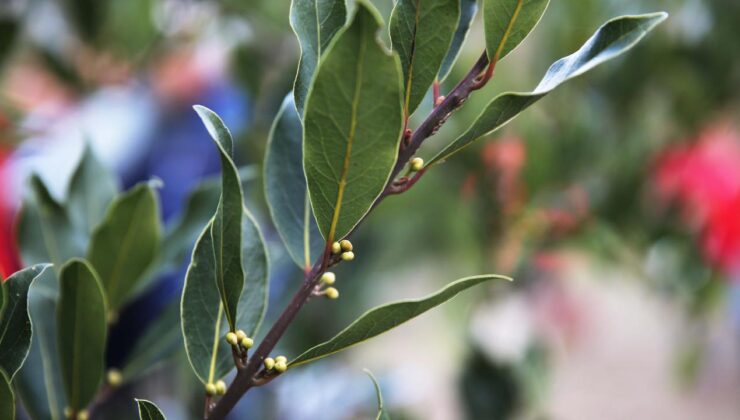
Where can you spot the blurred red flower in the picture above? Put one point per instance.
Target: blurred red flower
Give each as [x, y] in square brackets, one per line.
[9, 261]
[703, 177]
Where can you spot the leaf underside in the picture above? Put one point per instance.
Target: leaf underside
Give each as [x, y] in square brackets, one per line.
[286, 190]
[352, 125]
[610, 41]
[383, 318]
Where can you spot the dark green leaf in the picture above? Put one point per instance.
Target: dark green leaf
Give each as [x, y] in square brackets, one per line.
[226, 229]
[124, 245]
[203, 326]
[611, 40]
[181, 234]
[160, 342]
[383, 318]
[382, 412]
[421, 33]
[82, 329]
[468, 9]
[285, 188]
[149, 411]
[315, 23]
[7, 398]
[508, 22]
[15, 328]
[352, 125]
[45, 233]
[90, 190]
[39, 382]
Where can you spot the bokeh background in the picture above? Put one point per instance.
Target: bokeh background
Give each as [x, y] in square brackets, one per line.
[615, 203]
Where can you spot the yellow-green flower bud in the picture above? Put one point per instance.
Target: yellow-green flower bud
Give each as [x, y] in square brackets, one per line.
[67, 412]
[246, 342]
[232, 339]
[269, 363]
[331, 293]
[210, 389]
[281, 366]
[83, 415]
[328, 278]
[348, 256]
[240, 335]
[114, 377]
[346, 245]
[220, 387]
[336, 248]
[282, 359]
[416, 164]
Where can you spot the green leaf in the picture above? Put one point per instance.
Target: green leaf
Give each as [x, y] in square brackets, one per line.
[382, 412]
[508, 22]
[611, 40]
[180, 235]
[352, 125]
[124, 245]
[9, 30]
[160, 342]
[468, 9]
[149, 411]
[15, 327]
[421, 33]
[203, 325]
[82, 328]
[45, 233]
[226, 229]
[90, 190]
[386, 317]
[7, 398]
[39, 382]
[285, 188]
[315, 22]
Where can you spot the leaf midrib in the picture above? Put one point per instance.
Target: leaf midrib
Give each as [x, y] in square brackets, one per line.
[350, 135]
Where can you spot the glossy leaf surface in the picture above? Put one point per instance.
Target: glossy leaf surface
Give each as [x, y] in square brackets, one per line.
[315, 22]
[15, 327]
[508, 22]
[611, 40]
[421, 33]
[124, 245]
[386, 317]
[352, 125]
[82, 330]
[226, 228]
[285, 188]
[203, 319]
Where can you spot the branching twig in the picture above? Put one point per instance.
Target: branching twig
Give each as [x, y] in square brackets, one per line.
[245, 376]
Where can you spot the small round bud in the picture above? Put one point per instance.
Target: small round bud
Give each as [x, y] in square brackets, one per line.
[348, 256]
[416, 164]
[439, 100]
[220, 387]
[246, 342]
[346, 245]
[83, 415]
[328, 278]
[210, 389]
[232, 339]
[67, 412]
[114, 377]
[240, 335]
[331, 293]
[281, 366]
[280, 359]
[336, 248]
[269, 363]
